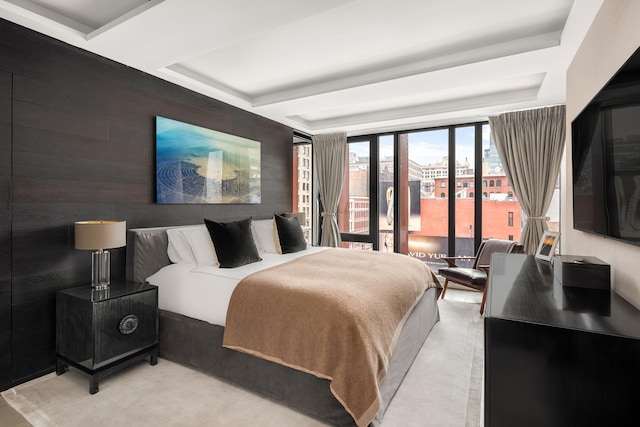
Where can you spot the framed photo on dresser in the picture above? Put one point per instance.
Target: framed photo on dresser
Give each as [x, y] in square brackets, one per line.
[547, 247]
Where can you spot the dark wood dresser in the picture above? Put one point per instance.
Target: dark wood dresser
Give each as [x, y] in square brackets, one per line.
[99, 331]
[554, 355]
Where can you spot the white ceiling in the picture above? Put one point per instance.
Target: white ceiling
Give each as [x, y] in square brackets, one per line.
[358, 66]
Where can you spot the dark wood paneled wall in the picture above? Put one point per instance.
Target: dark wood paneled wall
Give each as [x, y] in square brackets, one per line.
[82, 143]
[5, 230]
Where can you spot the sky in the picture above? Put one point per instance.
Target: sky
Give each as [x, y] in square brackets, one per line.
[429, 147]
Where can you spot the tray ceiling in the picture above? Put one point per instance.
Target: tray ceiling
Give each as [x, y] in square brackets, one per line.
[351, 65]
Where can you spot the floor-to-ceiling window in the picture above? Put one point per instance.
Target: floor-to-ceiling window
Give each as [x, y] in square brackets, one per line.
[464, 188]
[357, 206]
[428, 193]
[386, 180]
[302, 198]
[501, 210]
[426, 172]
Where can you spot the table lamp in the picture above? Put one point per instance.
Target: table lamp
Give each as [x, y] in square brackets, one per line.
[99, 236]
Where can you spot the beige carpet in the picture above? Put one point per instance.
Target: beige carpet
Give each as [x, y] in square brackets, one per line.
[443, 388]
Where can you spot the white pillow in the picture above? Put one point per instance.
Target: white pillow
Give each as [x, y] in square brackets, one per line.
[264, 230]
[201, 245]
[178, 248]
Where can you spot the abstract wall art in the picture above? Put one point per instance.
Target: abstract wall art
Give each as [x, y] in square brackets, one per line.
[200, 165]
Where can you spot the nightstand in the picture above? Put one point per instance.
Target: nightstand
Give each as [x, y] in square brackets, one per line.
[101, 331]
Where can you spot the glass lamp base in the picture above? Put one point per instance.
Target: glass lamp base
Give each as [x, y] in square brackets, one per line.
[100, 269]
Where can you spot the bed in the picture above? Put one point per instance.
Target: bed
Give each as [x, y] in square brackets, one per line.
[192, 334]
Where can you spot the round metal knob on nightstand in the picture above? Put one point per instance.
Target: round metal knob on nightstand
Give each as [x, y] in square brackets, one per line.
[128, 324]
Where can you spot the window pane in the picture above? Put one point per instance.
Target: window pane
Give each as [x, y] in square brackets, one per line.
[356, 190]
[465, 203]
[501, 215]
[385, 192]
[302, 195]
[428, 200]
[554, 210]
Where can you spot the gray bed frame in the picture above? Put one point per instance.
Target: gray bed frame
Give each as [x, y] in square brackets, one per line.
[198, 344]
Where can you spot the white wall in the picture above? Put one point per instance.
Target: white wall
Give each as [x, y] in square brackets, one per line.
[612, 38]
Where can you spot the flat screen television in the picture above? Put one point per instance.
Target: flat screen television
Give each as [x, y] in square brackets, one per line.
[605, 152]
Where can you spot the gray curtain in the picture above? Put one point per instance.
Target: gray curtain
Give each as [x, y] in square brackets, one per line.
[329, 154]
[530, 144]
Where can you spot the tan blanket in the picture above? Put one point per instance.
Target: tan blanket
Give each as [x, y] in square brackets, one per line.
[335, 314]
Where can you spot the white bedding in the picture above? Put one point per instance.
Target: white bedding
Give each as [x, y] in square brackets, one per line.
[203, 292]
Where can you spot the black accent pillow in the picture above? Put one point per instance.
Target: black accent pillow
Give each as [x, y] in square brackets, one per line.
[290, 234]
[233, 242]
